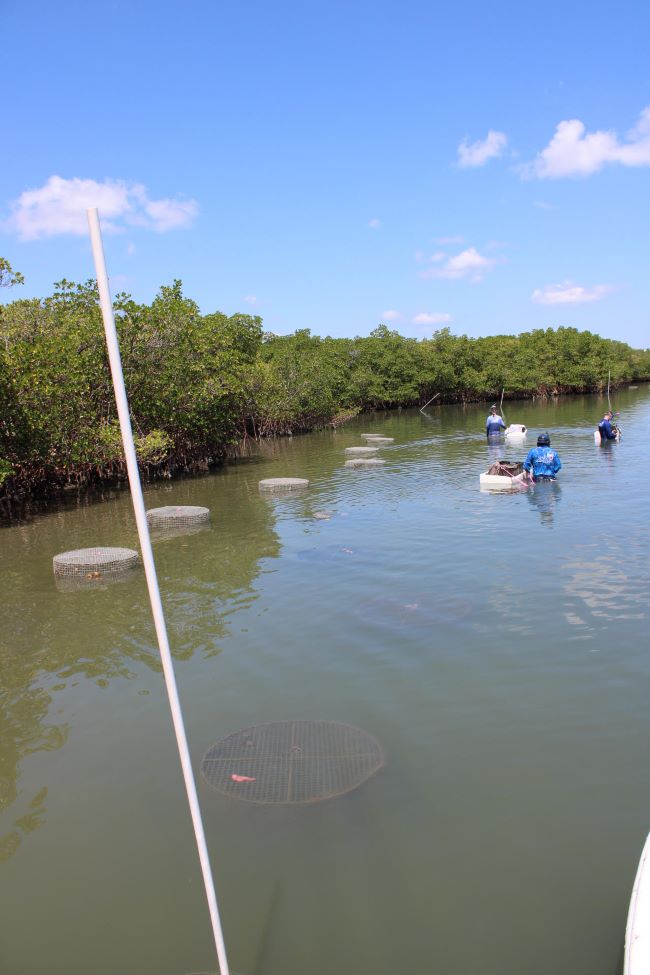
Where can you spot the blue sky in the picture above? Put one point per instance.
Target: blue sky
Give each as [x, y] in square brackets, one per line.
[334, 165]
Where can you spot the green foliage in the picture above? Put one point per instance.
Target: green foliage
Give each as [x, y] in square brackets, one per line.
[9, 277]
[6, 470]
[199, 384]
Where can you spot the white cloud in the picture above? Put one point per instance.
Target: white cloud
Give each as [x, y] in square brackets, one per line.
[390, 315]
[375, 223]
[169, 214]
[454, 239]
[251, 299]
[59, 207]
[438, 256]
[478, 153]
[569, 293]
[575, 152]
[468, 264]
[431, 318]
[543, 205]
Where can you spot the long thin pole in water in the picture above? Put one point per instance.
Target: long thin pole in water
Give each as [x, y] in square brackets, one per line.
[501, 404]
[423, 408]
[152, 579]
[609, 379]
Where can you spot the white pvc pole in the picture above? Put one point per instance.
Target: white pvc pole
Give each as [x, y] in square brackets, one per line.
[423, 408]
[152, 579]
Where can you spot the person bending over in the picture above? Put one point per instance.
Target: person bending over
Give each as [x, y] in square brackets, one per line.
[494, 423]
[542, 463]
[606, 429]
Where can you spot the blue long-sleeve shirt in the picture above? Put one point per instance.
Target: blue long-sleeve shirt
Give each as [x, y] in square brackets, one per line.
[544, 462]
[605, 430]
[494, 424]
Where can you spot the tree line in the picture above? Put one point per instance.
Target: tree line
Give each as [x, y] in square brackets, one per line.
[200, 385]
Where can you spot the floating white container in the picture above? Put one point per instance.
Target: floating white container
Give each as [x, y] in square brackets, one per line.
[500, 482]
[516, 431]
[597, 437]
[637, 932]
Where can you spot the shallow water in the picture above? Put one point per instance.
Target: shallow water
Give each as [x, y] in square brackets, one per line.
[495, 644]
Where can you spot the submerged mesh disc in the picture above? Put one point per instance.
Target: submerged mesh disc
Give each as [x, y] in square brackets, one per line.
[100, 559]
[292, 761]
[181, 514]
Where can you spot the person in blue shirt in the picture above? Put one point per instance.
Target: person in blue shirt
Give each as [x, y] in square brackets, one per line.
[494, 423]
[542, 463]
[605, 428]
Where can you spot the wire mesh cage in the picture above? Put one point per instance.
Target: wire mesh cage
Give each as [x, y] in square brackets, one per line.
[364, 462]
[94, 562]
[171, 516]
[361, 451]
[414, 610]
[291, 762]
[281, 484]
[163, 532]
[376, 438]
[96, 580]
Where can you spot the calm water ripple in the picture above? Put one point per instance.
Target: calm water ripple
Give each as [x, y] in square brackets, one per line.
[495, 643]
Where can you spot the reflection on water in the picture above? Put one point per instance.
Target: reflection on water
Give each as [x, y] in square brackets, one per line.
[544, 496]
[57, 631]
[606, 589]
[493, 641]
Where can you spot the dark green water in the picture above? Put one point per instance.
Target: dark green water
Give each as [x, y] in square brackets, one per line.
[496, 645]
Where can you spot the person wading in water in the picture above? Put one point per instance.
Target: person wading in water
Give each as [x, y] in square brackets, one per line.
[542, 463]
[494, 423]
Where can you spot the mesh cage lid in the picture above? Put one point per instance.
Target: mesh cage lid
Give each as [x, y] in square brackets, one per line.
[283, 483]
[182, 514]
[99, 559]
[287, 762]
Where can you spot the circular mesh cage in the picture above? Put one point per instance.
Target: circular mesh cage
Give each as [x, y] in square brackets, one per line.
[364, 462]
[287, 762]
[373, 438]
[86, 561]
[279, 484]
[361, 451]
[95, 580]
[178, 515]
[414, 610]
[163, 532]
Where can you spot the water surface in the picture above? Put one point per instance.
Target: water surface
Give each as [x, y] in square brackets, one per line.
[495, 644]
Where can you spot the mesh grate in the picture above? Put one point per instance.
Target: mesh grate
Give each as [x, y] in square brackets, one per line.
[84, 561]
[414, 610]
[376, 438]
[95, 580]
[364, 462]
[361, 451]
[171, 515]
[280, 484]
[163, 532]
[288, 762]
